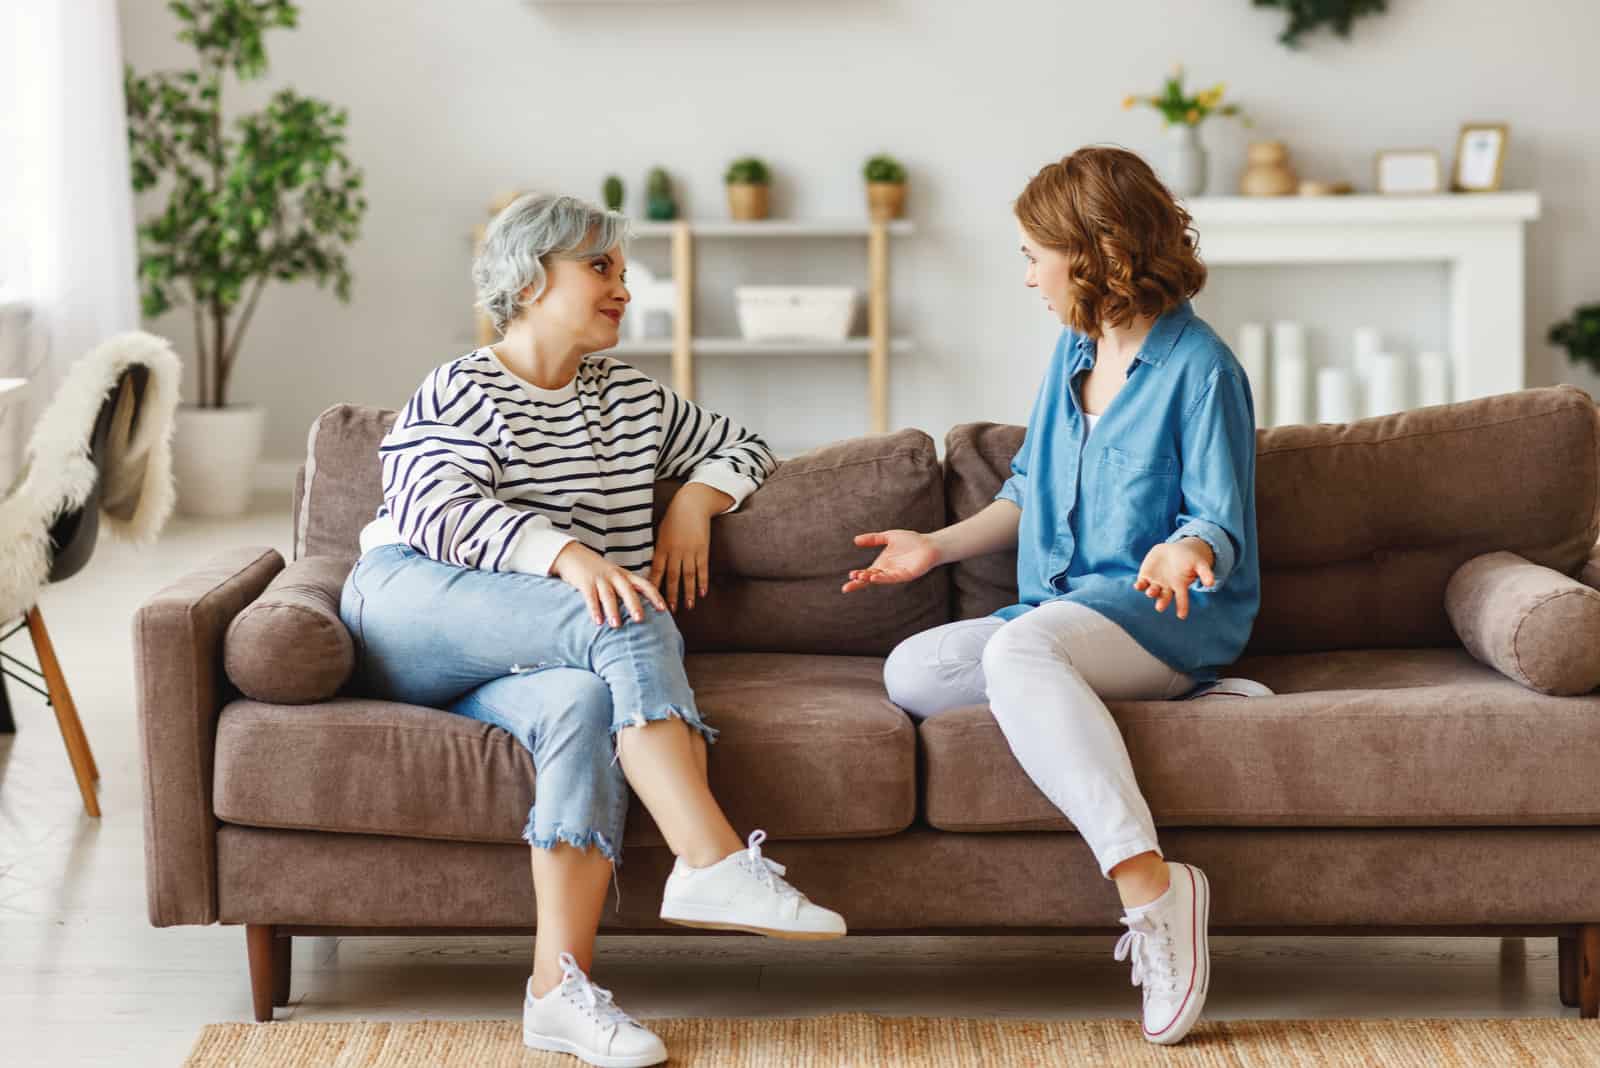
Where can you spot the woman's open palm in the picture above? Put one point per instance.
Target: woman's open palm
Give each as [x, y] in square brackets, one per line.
[906, 555]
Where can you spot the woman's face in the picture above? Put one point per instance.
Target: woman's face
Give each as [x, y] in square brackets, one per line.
[1047, 272]
[584, 299]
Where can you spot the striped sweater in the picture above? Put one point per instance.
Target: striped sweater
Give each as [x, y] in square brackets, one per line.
[485, 469]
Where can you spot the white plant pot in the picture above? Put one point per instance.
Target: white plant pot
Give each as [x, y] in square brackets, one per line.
[1186, 161]
[214, 455]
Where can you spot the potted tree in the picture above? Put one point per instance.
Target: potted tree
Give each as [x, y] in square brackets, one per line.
[886, 187]
[660, 204]
[270, 196]
[747, 180]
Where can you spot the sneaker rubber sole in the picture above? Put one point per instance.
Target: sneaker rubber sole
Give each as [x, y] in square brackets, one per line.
[1185, 1020]
[534, 1040]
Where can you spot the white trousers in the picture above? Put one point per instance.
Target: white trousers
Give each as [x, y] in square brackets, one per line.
[1044, 675]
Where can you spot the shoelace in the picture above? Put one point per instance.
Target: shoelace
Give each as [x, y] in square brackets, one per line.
[769, 872]
[596, 1000]
[1142, 940]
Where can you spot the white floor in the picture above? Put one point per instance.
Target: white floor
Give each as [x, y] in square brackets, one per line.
[85, 980]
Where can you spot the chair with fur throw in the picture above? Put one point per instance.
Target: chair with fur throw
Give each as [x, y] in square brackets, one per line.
[100, 454]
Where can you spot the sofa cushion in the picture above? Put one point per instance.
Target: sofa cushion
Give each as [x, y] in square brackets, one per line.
[777, 563]
[1362, 524]
[289, 645]
[810, 748]
[1363, 738]
[1530, 623]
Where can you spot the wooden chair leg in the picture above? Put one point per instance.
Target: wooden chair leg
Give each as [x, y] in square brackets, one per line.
[1567, 970]
[83, 766]
[1589, 971]
[259, 941]
[282, 961]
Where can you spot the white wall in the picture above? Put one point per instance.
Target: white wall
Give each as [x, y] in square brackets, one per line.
[453, 103]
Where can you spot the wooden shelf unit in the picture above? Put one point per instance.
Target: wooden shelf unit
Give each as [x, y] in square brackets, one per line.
[684, 346]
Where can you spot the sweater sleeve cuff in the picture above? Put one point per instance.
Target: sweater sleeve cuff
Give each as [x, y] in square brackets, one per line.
[1221, 549]
[536, 549]
[724, 478]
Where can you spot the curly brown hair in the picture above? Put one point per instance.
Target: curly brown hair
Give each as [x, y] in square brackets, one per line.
[1132, 250]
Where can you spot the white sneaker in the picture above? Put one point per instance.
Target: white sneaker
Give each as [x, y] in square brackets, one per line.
[1231, 687]
[745, 891]
[1169, 942]
[580, 1018]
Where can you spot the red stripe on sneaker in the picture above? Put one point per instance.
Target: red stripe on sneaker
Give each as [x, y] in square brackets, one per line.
[1194, 952]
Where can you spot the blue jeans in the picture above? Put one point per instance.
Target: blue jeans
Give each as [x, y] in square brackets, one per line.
[522, 652]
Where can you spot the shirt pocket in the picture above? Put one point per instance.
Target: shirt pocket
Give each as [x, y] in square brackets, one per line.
[1138, 497]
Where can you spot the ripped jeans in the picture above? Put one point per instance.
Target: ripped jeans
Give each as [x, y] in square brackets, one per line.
[521, 652]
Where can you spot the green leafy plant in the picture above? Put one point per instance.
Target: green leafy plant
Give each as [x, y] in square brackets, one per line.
[1306, 16]
[274, 198]
[613, 191]
[660, 205]
[884, 169]
[1580, 336]
[747, 170]
[1178, 107]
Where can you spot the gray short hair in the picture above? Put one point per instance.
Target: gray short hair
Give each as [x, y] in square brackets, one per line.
[523, 238]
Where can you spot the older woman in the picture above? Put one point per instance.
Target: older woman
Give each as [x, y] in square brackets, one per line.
[1134, 489]
[512, 576]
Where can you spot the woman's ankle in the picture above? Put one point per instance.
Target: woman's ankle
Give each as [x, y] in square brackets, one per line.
[1141, 879]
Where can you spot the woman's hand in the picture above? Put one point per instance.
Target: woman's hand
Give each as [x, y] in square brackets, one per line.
[906, 555]
[683, 543]
[1170, 567]
[603, 584]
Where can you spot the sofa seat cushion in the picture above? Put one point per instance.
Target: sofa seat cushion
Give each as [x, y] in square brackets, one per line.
[810, 748]
[1358, 738]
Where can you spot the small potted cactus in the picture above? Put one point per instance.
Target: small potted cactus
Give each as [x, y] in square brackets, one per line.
[886, 187]
[660, 204]
[747, 180]
[613, 191]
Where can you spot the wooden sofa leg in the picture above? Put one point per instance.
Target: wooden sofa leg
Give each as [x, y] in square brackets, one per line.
[263, 986]
[282, 959]
[1567, 970]
[1589, 971]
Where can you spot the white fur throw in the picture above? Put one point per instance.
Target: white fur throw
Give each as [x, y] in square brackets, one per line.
[57, 475]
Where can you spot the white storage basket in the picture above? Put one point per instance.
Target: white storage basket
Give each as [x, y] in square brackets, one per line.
[795, 313]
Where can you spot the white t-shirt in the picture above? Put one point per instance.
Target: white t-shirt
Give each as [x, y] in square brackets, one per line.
[1090, 418]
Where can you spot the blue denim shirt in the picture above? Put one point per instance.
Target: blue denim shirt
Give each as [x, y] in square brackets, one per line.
[1172, 456]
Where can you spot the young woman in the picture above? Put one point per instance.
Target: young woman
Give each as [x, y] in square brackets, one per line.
[1133, 491]
[511, 576]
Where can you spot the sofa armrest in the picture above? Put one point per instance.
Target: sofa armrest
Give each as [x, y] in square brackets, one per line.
[180, 687]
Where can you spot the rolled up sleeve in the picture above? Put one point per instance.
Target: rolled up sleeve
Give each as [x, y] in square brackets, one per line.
[1218, 452]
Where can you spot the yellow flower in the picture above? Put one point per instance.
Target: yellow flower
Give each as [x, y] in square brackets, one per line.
[1128, 101]
[1209, 98]
[1193, 117]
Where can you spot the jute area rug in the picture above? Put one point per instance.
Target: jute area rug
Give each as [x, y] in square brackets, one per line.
[866, 1041]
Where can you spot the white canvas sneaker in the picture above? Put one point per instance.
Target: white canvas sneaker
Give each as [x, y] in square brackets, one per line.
[745, 892]
[580, 1018]
[1231, 687]
[1169, 943]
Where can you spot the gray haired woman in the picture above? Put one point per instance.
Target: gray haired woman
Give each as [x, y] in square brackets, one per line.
[512, 575]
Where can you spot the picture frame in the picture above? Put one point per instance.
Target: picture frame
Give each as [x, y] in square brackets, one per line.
[1408, 171]
[1480, 156]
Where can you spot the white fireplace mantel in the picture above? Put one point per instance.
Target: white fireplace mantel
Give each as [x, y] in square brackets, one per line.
[1479, 236]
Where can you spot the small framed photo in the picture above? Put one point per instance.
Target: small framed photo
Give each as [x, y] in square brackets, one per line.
[1480, 152]
[1409, 170]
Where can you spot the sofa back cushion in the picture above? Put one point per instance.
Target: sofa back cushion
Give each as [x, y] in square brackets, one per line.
[777, 562]
[1362, 524]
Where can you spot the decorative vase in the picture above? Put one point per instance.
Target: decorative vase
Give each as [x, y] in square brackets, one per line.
[1186, 161]
[214, 454]
[1268, 172]
[885, 200]
[747, 201]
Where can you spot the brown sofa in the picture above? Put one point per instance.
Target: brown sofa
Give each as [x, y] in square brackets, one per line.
[1396, 784]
